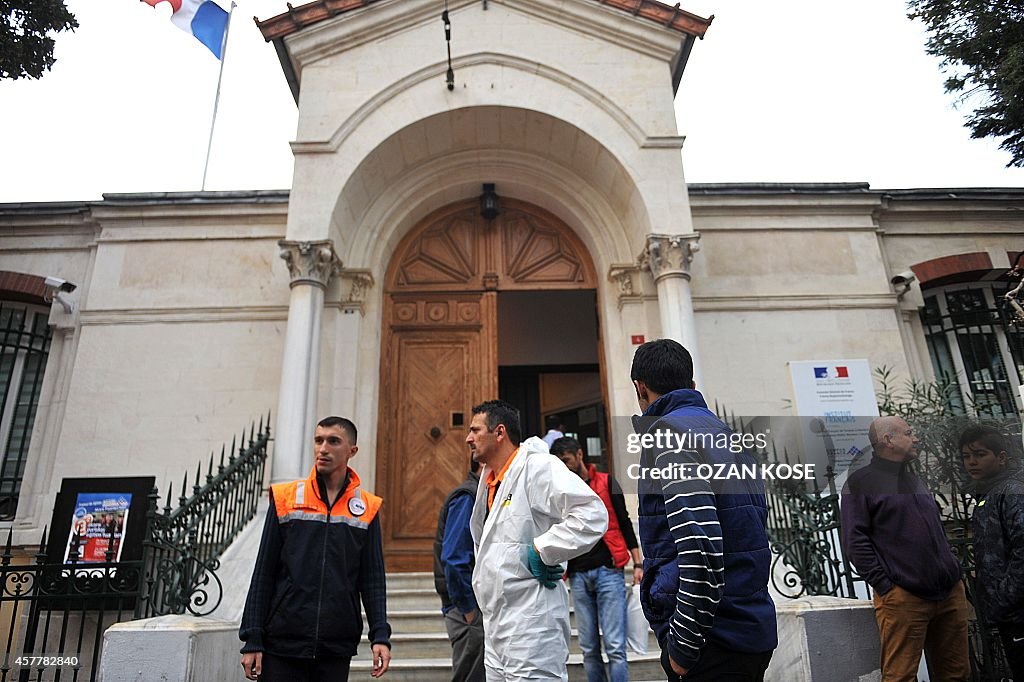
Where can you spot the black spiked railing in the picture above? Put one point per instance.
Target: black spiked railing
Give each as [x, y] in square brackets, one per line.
[803, 529]
[181, 552]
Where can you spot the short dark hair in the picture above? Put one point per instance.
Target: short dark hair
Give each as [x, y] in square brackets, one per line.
[990, 437]
[565, 444]
[346, 425]
[501, 412]
[553, 421]
[664, 365]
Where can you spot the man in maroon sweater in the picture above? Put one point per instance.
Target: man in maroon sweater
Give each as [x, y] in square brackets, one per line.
[893, 536]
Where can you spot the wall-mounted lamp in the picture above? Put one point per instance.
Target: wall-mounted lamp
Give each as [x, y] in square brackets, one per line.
[489, 207]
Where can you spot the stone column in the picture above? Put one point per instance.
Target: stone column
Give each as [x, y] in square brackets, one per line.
[311, 264]
[668, 257]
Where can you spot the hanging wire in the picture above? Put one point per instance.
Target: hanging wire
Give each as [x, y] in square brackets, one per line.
[448, 39]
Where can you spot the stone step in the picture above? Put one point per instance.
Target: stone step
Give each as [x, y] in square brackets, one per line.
[421, 647]
[440, 669]
[413, 599]
[434, 644]
[410, 581]
[411, 621]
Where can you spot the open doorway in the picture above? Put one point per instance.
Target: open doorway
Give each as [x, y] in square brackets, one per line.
[549, 365]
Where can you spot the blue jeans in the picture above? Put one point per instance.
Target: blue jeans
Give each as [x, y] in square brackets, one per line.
[600, 597]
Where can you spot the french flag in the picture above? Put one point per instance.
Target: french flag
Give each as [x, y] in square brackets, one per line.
[204, 19]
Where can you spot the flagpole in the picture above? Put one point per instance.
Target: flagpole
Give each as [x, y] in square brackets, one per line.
[216, 98]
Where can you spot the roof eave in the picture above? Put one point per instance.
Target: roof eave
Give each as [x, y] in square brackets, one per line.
[290, 74]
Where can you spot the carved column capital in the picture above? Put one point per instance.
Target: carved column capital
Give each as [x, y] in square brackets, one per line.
[625, 276]
[310, 263]
[622, 274]
[669, 255]
[359, 282]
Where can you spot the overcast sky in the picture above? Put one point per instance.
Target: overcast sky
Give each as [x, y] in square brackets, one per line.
[783, 91]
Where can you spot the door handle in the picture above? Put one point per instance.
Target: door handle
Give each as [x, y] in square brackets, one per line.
[435, 432]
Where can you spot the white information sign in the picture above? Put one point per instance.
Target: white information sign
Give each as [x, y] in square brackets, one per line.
[836, 402]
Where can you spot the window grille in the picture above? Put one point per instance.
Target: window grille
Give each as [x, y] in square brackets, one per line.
[972, 340]
[24, 346]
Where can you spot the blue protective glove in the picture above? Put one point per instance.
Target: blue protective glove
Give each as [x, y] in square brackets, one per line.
[547, 575]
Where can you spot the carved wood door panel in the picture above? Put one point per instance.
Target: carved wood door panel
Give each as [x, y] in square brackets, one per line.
[440, 363]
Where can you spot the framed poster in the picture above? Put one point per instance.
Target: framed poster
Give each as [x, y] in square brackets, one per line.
[101, 515]
[97, 527]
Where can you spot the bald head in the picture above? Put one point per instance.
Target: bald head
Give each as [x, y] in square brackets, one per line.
[893, 438]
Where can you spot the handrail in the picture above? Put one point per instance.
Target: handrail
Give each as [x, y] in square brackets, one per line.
[183, 544]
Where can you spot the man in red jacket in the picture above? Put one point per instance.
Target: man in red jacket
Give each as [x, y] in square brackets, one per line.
[598, 589]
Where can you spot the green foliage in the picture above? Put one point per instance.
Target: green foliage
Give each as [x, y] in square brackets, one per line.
[933, 409]
[26, 47]
[916, 398]
[981, 44]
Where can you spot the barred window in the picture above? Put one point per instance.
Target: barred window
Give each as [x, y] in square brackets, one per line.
[24, 346]
[972, 340]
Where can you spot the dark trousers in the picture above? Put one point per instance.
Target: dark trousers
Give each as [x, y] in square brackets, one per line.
[718, 663]
[467, 641]
[283, 669]
[1013, 647]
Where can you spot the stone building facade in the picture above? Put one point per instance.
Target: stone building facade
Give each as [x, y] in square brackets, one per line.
[376, 288]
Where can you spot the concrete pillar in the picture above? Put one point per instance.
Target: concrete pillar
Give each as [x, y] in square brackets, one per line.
[311, 264]
[668, 257]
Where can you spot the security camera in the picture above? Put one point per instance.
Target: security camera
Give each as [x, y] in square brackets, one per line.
[58, 284]
[903, 279]
[56, 287]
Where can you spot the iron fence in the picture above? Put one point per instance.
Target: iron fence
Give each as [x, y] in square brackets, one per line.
[54, 614]
[54, 611]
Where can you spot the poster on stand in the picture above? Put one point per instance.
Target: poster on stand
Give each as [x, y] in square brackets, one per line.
[100, 514]
[97, 525]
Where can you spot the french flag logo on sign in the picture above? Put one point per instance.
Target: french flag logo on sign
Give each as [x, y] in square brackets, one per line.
[837, 372]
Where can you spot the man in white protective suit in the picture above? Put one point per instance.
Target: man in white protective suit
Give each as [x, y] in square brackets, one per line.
[530, 517]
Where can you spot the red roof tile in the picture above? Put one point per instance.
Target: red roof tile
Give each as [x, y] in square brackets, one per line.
[305, 15]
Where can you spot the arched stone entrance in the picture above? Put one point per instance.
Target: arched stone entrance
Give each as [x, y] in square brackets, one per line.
[439, 352]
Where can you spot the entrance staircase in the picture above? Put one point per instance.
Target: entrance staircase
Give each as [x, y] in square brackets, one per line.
[419, 643]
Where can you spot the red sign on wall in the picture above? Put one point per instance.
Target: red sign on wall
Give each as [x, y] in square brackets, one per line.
[637, 339]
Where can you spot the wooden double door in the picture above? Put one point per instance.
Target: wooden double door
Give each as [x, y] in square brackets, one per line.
[439, 354]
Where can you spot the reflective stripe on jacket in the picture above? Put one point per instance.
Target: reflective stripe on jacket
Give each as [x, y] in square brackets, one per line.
[300, 500]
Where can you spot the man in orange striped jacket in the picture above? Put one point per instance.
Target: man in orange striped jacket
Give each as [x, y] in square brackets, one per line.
[320, 552]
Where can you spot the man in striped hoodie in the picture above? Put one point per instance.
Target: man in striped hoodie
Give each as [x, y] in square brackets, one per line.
[707, 561]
